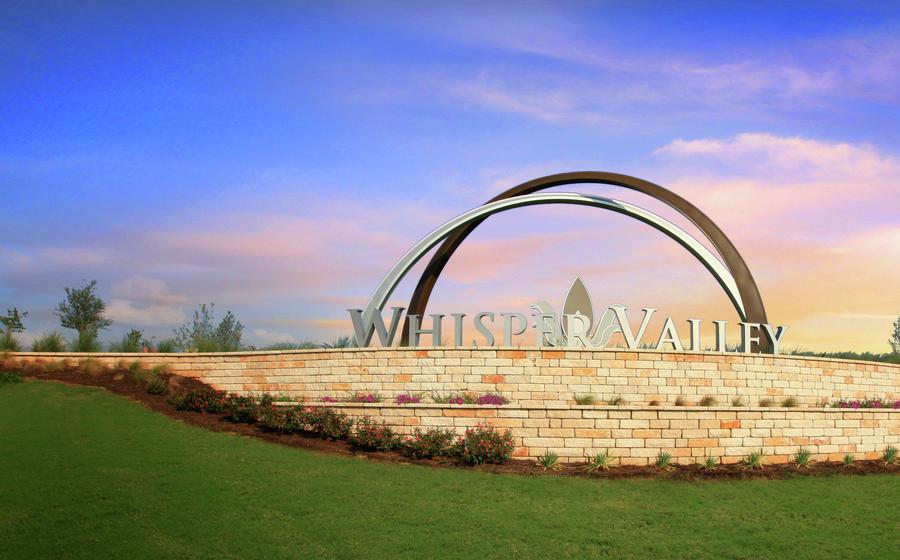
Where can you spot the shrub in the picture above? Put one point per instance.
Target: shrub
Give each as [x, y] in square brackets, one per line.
[281, 419]
[8, 377]
[85, 342]
[157, 385]
[708, 401]
[132, 341]
[491, 399]
[326, 422]
[329, 399]
[654, 402]
[549, 461]
[679, 401]
[454, 398]
[803, 458]
[664, 461]
[484, 444]
[766, 402]
[8, 343]
[370, 435]
[848, 460]
[12, 323]
[889, 456]
[240, 409]
[406, 398]
[616, 401]
[52, 342]
[753, 460]
[737, 401]
[600, 462]
[360, 397]
[434, 442]
[201, 336]
[790, 402]
[585, 400]
[201, 400]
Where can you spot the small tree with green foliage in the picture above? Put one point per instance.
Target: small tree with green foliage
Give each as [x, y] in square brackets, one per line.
[200, 336]
[12, 323]
[85, 312]
[894, 341]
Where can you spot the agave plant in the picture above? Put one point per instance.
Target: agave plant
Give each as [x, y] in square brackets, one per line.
[549, 461]
[600, 462]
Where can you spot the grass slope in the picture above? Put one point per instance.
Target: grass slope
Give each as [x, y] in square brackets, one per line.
[88, 474]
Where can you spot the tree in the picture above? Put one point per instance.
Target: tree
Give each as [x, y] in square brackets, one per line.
[12, 323]
[894, 341]
[83, 311]
[200, 336]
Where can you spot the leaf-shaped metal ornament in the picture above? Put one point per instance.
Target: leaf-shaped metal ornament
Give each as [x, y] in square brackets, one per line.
[544, 308]
[577, 301]
[607, 327]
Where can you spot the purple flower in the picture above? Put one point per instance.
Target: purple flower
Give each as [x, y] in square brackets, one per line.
[328, 398]
[406, 398]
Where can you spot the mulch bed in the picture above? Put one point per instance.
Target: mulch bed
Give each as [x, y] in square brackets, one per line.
[125, 383]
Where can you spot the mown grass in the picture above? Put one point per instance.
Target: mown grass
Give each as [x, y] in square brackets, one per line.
[85, 474]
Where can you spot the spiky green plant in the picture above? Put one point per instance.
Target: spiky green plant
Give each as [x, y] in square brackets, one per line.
[166, 346]
[157, 385]
[585, 399]
[709, 463]
[342, 342]
[753, 460]
[549, 461]
[790, 402]
[664, 461]
[600, 462]
[803, 458]
[848, 460]
[889, 457]
[616, 401]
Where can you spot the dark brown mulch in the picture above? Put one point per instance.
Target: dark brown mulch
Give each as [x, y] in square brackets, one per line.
[125, 383]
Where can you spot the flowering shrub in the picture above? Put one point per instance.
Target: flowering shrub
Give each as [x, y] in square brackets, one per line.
[434, 442]
[867, 403]
[491, 399]
[458, 399]
[365, 397]
[484, 444]
[201, 400]
[281, 419]
[329, 399]
[373, 436]
[406, 398]
[241, 410]
[325, 422]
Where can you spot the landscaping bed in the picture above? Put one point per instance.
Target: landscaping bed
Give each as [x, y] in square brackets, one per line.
[133, 383]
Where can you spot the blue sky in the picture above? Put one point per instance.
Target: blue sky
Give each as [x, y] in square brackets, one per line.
[276, 157]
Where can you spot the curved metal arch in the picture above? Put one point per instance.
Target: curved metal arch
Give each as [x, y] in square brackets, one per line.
[755, 311]
[387, 286]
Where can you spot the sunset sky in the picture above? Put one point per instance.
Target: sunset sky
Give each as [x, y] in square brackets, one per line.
[277, 159]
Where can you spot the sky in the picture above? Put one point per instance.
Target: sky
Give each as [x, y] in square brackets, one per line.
[277, 158]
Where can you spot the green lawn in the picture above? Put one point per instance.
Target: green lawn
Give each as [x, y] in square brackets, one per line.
[88, 474]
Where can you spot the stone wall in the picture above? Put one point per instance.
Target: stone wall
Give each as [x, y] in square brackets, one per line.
[541, 385]
[530, 376]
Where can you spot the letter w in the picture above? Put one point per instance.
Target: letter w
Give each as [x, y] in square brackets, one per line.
[363, 327]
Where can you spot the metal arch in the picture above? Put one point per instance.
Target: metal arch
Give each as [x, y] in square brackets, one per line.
[387, 286]
[755, 311]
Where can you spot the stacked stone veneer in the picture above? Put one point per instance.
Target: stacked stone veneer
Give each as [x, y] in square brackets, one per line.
[541, 385]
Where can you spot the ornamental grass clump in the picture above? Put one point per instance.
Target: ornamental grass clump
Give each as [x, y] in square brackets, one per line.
[709, 463]
[549, 461]
[428, 444]
[201, 400]
[790, 402]
[848, 460]
[766, 402]
[753, 460]
[664, 461]
[616, 401]
[803, 458]
[406, 398]
[484, 444]
[708, 401]
[371, 435]
[585, 400]
[890, 457]
[737, 401]
[600, 462]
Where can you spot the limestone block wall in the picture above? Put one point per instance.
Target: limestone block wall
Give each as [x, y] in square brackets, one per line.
[528, 376]
[635, 435]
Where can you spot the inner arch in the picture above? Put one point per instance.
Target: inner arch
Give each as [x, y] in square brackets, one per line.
[387, 286]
